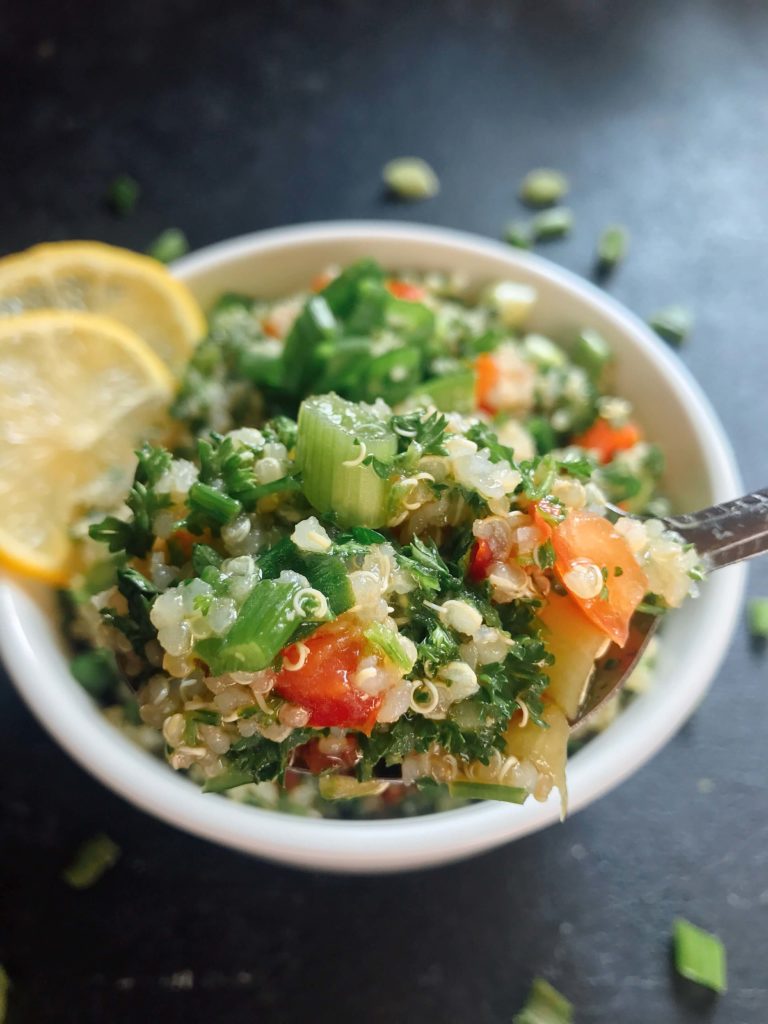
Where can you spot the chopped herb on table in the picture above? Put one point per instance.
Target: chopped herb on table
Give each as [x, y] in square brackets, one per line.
[673, 324]
[411, 178]
[700, 956]
[123, 194]
[5, 987]
[552, 224]
[757, 615]
[91, 861]
[543, 187]
[169, 245]
[612, 248]
[545, 1006]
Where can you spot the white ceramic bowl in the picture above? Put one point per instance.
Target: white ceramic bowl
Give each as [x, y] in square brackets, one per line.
[701, 470]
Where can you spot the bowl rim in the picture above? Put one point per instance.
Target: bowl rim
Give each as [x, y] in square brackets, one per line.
[404, 843]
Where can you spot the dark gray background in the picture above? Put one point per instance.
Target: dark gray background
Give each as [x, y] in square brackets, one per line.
[237, 116]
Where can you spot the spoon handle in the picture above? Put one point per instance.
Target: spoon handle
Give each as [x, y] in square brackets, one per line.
[727, 533]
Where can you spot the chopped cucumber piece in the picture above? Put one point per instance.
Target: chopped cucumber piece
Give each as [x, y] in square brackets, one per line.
[328, 574]
[332, 432]
[592, 352]
[512, 300]
[543, 352]
[314, 325]
[454, 392]
[488, 791]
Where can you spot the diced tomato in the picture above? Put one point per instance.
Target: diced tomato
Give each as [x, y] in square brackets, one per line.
[480, 559]
[180, 543]
[270, 327]
[407, 292]
[607, 440]
[321, 280]
[324, 684]
[317, 761]
[487, 376]
[586, 535]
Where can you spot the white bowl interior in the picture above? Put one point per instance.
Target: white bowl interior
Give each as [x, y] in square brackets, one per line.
[700, 470]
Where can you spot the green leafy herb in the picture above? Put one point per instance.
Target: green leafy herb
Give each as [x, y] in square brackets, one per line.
[543, 186]
[700, 956]
[91, 861]
[257, 759]
[545, 555]
[137, 535]
[484, 437]
[123, 194]
[96, 671]
[169, 245]
[410, 177]
[545, 1006]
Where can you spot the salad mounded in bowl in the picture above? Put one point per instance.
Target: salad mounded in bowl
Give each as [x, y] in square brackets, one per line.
[377, 542]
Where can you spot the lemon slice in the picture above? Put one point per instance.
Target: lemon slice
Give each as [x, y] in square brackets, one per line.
[136, 290]
[77, 391]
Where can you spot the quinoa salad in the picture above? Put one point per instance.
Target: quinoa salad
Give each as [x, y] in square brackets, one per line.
[375, 544]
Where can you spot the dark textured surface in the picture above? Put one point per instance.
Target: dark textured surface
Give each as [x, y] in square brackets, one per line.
[241, 116]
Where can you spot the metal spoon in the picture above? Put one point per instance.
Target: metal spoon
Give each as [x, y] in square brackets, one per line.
[722, 535]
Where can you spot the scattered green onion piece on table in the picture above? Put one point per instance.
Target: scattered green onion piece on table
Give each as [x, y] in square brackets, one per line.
[92, 859]
[169, 245]
[487, 791]
[518, 234]
[410, 177]
[551, 224]
[700, 956]
[5, 987]
[545, 1006]
[592, 352]
[611, 248]
[123, 194]
[673, 324]
[543, 187]
[757, 613]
